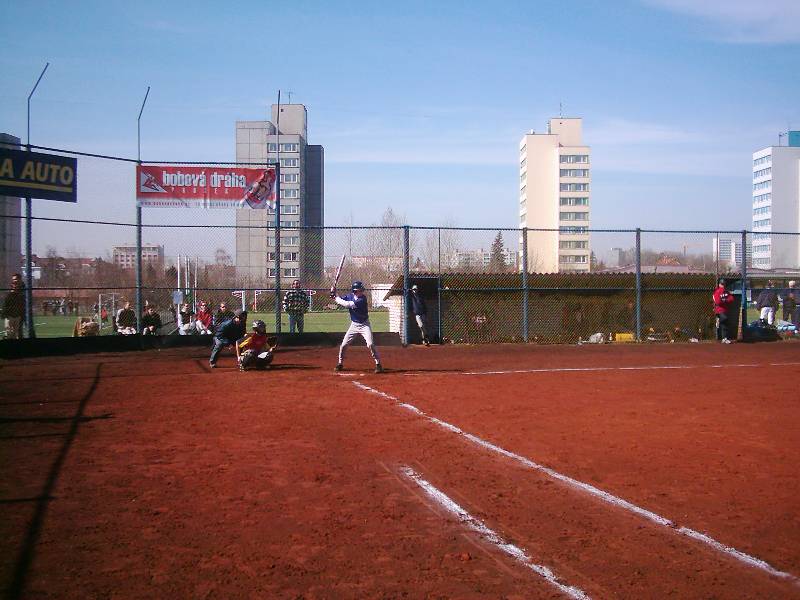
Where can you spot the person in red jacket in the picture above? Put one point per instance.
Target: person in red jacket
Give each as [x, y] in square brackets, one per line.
[203, 320]
[722, 301]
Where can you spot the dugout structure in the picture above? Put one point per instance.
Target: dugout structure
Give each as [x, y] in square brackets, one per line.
[490, 307]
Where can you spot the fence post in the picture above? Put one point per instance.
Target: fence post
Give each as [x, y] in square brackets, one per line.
[29, 267]
[138, 265]
[404, 338]
[743, 319]
[277, 240]
[525, 284]
[439, 288]
[638, 284]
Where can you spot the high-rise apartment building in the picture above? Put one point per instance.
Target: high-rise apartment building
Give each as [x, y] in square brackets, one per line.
[302, 200]
[776, 205]
[10, 228]
[554, 193]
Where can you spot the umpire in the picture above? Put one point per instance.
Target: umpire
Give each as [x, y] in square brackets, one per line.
[227, 334]
[420, 310]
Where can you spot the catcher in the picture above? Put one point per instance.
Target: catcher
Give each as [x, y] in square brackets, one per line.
[253, 350]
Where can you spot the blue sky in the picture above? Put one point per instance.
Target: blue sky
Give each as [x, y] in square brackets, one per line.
[421, 106]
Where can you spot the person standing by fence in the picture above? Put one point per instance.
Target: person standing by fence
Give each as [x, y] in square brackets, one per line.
[296, 303]
[789, 298]
[14, 308]
[767, 303]
[420, 310]
[722, 301]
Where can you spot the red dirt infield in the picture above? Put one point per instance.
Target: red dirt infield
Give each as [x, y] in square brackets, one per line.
[149, 475]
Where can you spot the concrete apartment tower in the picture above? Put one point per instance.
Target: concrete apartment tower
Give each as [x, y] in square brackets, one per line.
[302, 201]
[554, 183]
[776, 205]
[10, 229]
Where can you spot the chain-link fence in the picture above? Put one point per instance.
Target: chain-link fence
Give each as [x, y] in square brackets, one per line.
[477, 285]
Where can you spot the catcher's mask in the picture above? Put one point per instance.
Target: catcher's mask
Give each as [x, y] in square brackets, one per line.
[259, 326]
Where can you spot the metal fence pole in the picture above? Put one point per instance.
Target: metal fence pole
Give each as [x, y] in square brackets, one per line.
[638, 284]
[525, 284]
[277, 239]
[29, 229]
[29, 267]
[743, 319]
[139, 303]
[439, 289]
[406, 269]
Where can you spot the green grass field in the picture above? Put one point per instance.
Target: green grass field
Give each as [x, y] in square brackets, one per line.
[48, 326]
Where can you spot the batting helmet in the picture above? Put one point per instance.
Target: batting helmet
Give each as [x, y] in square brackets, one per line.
[260, 326]
[357, 285]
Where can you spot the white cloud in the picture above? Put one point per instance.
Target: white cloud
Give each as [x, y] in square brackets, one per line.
[743, 21]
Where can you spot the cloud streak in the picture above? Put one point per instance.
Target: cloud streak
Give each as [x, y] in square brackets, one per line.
[742, 21]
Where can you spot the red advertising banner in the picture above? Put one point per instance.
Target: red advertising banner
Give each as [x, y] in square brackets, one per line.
[169, 186]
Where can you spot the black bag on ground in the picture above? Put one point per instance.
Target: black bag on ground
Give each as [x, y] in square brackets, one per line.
[760, 331]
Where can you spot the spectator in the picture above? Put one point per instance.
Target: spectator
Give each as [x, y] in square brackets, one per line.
[722, 301]
[151, 321]
[296, 303]
[420, 311]
[204, 320]
[789, 298]
[14, 308]
[222, 315]
[103, 315]
[70, 307]
[626, 318]
[126, 320]
[767, 303]
[185, 320]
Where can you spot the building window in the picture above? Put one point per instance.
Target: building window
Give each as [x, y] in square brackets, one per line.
[573, 244]
[762, 186]
[573, 258]
[761, 236]
[523, 149]
[293, 240]
[571, 201]
[272, 147]
[289, 147]
[522, 190]
[762, 173]
[289, 177]
[573, 229]
[574, 187]
[271, 272]
[762, 223]
[762, 198]
[574, 216]
[522, 163]
[522, 218]
[293, 193]
[574, 158]
[523, 178]
[574, 172]
[764, 210]
[289, 162]
[764, 160]
[290, 209]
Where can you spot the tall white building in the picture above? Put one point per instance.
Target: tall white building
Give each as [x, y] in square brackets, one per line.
[554, 193]
[302, 200]
[776, 205]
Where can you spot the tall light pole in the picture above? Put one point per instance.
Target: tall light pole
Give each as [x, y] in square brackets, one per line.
[29, 229]
[139, 214]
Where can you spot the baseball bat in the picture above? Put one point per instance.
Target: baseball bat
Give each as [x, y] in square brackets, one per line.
[338, 274]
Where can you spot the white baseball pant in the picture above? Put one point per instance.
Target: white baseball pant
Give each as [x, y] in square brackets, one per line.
[365, 331]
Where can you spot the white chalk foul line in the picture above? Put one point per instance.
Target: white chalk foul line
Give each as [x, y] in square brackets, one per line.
[598, 493]
[639, 368]
[490, 535]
